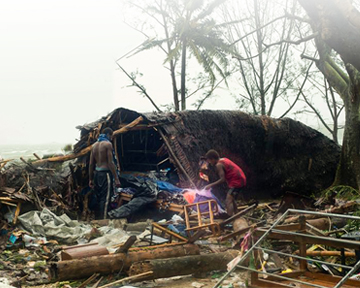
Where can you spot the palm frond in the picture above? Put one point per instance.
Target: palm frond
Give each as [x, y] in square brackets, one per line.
[174, 53]
[208, 10]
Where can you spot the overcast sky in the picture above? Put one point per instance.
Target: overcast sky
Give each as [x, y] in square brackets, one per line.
[57, 68]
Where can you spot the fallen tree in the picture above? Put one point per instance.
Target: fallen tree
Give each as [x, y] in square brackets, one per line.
[107, 264]
[163, 268]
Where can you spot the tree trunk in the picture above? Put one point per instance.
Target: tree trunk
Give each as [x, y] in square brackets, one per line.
[348, 172]
[183, 76]
[172, 66]
[338, 24]
[174, 86]
[82, 268]
[261, 64]
[163, 268]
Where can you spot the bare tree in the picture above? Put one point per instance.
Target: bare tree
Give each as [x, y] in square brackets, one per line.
[329, 117]
[268, 71]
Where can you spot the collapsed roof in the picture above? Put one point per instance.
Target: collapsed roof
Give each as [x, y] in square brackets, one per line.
[276, 155]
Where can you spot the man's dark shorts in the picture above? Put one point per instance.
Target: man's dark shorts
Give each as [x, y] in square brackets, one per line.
[235, 192]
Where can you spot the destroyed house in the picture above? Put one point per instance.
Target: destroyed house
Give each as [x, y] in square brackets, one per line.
[277, 155]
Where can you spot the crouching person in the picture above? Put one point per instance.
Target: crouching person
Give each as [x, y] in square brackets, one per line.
[230, 173]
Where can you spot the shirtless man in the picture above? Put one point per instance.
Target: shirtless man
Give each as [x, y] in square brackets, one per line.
[101, 181]
[230, 173]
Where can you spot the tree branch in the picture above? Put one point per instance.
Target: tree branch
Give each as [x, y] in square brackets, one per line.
[142, 89]
[299, 93]
[317, 113]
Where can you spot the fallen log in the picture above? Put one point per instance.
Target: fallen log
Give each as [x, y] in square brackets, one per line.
[163, 268]
[81, 251]
[107, 264]
[321, 223]
[347, 207]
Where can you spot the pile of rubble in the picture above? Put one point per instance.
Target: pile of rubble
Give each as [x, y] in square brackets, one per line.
[295, 241]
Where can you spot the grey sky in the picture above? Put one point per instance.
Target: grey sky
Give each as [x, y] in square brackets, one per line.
[58, 68]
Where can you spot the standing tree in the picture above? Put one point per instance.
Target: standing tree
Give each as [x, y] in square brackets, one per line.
[190, 31]
[268, 72]
[337, 24]
[333, 102]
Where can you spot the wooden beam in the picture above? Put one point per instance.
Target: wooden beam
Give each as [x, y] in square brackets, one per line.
[302, 244]
[332, 279]
[237, 215]
[177, 236]
[88, 149]
[129, 126]
[178, 163]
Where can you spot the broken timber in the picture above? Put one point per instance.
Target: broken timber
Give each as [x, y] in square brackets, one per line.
[107, 264]
[88, 149]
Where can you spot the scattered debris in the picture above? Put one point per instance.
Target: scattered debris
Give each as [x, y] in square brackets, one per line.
[162, 226]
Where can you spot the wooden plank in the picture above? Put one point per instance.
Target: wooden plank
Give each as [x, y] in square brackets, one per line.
[289, 227]
[177, 236]
[237, 215]
[302, 244]
[7, 189]
[332, 279]
[233, 234]
[8, 199]
[17, 212]
[8, 203]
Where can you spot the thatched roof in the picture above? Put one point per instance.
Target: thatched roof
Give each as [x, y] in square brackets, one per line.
[275, 154]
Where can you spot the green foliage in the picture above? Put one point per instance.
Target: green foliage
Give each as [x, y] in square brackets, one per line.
[353, 225]
[67, 148]
[341, 192]
[190, 31]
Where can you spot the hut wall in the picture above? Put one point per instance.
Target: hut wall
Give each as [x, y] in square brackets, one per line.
[276, 155]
